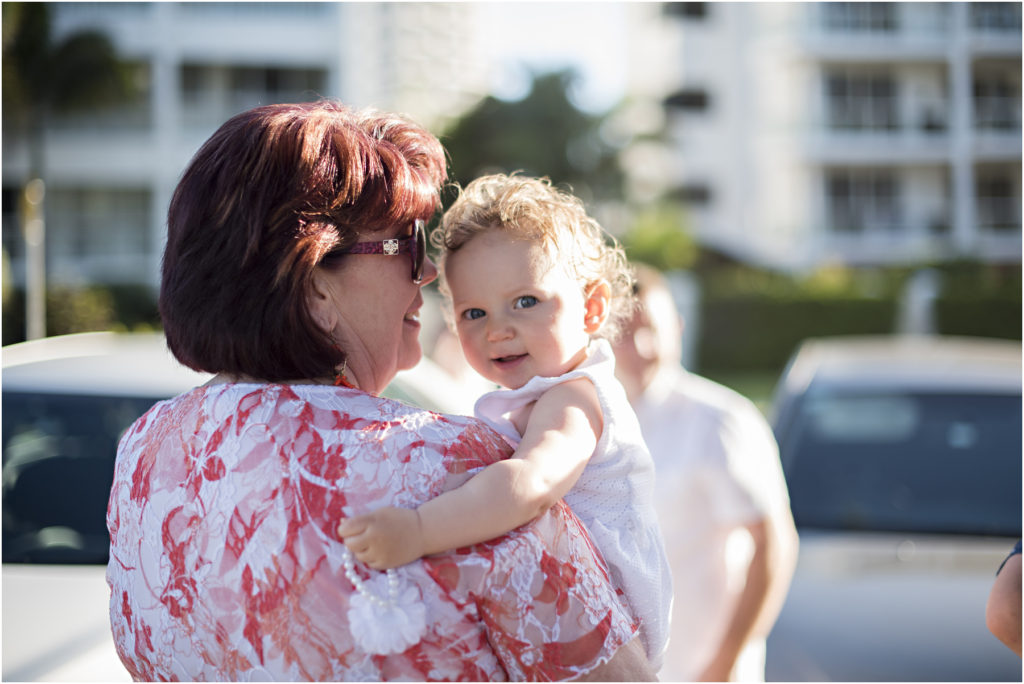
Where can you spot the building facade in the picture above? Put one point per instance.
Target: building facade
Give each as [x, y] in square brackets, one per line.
[805, 134]
[110, 174]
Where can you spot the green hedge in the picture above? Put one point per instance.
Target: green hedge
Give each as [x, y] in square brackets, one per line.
[85, 309]
[981, 318]
[758, 333]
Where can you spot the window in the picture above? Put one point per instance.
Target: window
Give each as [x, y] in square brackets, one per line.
[998, 201]
[692, 99]
[283, 10]
[995, 16]
[695, 193]
[924, 463]
[212, 93]
[862, 200]
[685, 10]
[996, 102]
[258, 85]
[134, 112]
[860, 101]
[98, 222]
[58, 463]
[859, 16]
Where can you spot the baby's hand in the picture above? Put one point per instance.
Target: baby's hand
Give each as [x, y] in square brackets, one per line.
[385, 538]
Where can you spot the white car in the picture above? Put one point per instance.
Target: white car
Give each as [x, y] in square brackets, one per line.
[66, 401]
[903, 461]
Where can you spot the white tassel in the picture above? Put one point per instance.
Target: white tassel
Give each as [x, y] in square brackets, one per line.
[386, 613]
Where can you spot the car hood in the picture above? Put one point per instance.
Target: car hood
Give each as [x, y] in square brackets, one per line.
[890, 607]
[56, 625]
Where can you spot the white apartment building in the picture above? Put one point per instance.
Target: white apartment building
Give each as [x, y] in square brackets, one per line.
[110, 176]
[804, 134]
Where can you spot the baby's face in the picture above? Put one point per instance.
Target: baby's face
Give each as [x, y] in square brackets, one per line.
[518, 312]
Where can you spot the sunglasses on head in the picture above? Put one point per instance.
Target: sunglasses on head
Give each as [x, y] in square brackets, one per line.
[415, 246]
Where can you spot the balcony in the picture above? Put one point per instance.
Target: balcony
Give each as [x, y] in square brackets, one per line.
[891, 31]
[875, 31]
[923, 144]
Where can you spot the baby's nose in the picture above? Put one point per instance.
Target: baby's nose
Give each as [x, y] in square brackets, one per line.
[498, 329]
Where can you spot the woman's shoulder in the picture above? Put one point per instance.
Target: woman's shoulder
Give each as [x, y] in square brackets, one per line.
[327, 439]
[342, 415]
[325, 419]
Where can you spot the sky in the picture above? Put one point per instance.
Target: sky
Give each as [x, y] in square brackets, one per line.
[546, 36]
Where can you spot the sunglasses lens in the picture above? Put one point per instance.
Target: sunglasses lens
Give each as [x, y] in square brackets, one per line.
[419, 250]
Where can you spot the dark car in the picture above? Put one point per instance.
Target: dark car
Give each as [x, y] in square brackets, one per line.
[903, 460]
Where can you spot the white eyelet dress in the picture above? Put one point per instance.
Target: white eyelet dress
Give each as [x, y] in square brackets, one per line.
[614, 497]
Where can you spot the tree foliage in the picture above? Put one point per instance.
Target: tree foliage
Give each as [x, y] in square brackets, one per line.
[42, 75]
[543, 134]
[657, 236]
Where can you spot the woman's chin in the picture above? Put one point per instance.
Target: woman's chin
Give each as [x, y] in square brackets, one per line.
[411, 355]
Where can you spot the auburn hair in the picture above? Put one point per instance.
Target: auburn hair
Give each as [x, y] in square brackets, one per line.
[261, 203]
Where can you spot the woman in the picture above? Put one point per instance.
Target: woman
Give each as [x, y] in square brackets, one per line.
[293, 268]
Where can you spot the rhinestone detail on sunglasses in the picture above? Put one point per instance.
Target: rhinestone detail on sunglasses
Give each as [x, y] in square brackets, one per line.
[415, 245]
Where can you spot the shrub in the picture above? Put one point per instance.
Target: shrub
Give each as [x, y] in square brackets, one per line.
[85, 309]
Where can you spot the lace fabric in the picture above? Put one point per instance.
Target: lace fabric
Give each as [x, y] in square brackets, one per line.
[224, 564]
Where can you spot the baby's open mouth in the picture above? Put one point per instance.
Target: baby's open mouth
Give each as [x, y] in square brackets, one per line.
[509, 359]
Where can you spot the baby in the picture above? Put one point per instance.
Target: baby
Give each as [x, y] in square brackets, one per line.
[535, 286]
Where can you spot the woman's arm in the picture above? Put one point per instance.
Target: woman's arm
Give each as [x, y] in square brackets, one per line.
[563, 430]
[629, 664]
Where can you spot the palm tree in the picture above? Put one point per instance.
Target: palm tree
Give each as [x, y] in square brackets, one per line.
[42, 77]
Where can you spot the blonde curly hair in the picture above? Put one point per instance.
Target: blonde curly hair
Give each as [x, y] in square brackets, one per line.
[533, 209]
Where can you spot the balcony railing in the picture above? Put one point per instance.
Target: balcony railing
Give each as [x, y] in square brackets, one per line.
[874, 20]
[906, 24]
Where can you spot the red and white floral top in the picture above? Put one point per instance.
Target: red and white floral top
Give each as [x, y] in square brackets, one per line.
[224, 564]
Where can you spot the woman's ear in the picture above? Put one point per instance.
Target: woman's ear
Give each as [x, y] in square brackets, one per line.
[597, 306]
[320, 302]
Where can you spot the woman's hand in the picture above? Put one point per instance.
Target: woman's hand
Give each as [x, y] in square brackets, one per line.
[385, 538]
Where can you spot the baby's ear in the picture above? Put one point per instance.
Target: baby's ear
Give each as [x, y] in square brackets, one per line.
[597, 306]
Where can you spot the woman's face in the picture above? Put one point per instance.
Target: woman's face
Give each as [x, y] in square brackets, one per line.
[371, 307]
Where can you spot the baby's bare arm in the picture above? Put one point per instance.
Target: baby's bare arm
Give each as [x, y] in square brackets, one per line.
[561, 435]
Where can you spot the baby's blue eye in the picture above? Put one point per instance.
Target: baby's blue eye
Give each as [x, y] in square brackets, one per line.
[473, 314]
[525, 302]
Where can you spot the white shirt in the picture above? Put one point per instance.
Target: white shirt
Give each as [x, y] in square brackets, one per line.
[718, 469]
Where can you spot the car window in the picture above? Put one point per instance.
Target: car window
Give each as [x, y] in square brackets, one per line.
[58, 465]
[929, 463]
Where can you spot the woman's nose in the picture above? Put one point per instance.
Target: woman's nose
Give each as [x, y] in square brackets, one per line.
[429, 271]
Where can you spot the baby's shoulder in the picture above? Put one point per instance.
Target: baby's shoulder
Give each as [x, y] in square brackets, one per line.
[580, 390]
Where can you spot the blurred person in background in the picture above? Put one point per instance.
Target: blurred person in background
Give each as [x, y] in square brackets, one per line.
[293, 271]
[720, 495]
[1003, 610]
